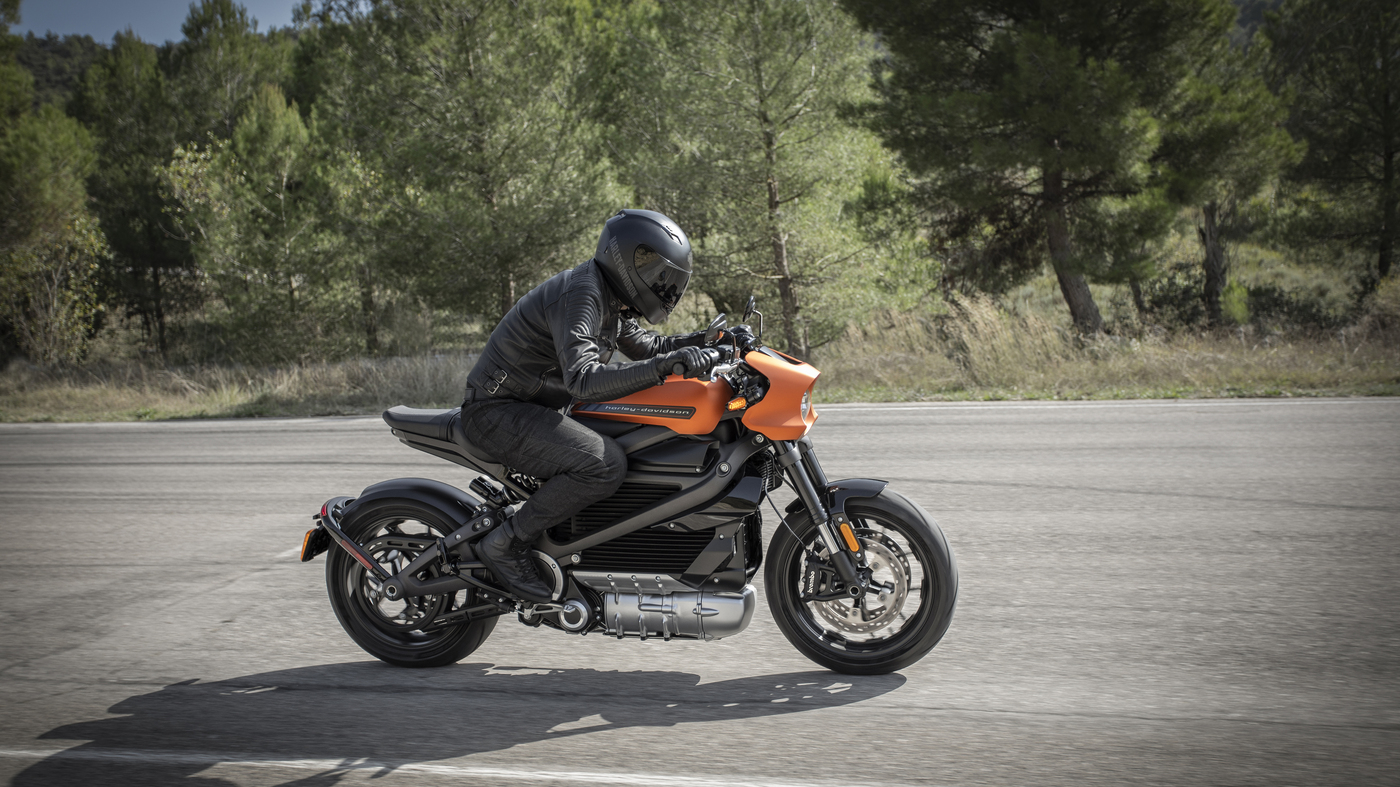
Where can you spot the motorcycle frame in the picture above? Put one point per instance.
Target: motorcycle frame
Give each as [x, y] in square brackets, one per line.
[717, 499]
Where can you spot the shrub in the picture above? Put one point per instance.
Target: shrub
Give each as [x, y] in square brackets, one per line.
[1234, 303]
[1273, 306]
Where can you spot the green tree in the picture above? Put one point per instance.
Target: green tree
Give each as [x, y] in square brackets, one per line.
[1223, 142]
[49, 246]
[125, 100]
[726, 117]
[251, 205]
[44, 159]
[220, 66]
[47, 290]
[1040, 124]
[57, 64]
[469, 110]
[16, 83]
[1341, 61]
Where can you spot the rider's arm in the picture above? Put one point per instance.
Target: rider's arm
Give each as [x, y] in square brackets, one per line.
[575, 327]
[638, 342]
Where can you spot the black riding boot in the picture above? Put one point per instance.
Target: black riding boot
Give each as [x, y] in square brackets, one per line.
[509, 559]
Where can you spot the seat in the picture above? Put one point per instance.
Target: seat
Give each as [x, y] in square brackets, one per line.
[444, 425]
[436, 424]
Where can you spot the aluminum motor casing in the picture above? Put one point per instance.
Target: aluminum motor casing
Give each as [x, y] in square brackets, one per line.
[662, 606]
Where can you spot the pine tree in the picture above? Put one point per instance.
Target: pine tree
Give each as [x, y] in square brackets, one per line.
[726, 118]
[49, 244]
[125, 99]
[470, 112]
[1223, 142]
[1341, 61]
[1040, 124]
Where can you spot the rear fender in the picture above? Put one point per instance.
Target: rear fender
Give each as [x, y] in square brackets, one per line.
[455, 506]
[838, 492]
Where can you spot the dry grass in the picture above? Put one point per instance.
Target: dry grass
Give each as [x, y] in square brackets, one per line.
[981, 351]
[976, 351]
[133, 391]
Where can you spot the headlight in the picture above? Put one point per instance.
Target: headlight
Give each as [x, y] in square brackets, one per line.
[806, 403]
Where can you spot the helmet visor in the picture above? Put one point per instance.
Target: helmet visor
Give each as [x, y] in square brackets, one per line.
[663, 277]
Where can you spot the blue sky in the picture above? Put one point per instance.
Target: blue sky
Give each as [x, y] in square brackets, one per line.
[155, 21]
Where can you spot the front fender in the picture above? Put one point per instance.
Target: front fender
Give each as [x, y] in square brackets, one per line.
[838, 492]
[455, 505]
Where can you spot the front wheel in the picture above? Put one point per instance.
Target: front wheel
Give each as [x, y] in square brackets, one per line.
[913, 588]
[395, 532]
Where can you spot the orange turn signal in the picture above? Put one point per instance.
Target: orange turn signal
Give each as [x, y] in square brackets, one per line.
[850, 536]
[737, 403]
[306, 544]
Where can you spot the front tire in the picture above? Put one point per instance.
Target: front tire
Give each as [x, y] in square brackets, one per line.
[881, 632]
[387, 630]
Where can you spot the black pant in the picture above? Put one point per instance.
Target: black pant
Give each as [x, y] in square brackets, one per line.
[581, 466]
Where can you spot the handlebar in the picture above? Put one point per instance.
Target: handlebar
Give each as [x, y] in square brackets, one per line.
[719, 354]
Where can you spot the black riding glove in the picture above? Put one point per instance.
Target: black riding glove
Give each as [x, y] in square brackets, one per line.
[742, 334]
[695, 360]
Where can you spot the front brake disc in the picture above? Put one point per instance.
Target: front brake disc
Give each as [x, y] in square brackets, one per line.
[887, 568]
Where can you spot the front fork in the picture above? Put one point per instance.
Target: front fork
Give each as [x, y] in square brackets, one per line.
[799, 462]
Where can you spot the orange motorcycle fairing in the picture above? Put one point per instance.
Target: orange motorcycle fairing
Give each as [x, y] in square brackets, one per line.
[779, 415]
[681, 405]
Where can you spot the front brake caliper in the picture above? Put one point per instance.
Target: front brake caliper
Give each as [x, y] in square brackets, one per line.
[819, 581]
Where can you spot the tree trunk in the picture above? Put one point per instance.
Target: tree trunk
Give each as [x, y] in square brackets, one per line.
[158, 304]
[1072, 284]
[1138, 302]
[1385, 246]
[1388, 207]
[1209, 232]
[367, 312]
[787, 293]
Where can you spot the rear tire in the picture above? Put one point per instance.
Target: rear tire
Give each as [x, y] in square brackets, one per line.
[859, 640]
[383, 628]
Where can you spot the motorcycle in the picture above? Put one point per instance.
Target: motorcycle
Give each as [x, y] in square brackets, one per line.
[858, 577]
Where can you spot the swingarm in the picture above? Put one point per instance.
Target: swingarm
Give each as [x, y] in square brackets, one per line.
[452, 555]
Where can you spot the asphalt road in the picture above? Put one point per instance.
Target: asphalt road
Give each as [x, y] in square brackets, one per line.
[1152, 593]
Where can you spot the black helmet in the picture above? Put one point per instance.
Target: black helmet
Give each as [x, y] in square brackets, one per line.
[647, 260]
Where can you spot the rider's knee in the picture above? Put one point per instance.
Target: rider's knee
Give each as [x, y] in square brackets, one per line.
[612, 466]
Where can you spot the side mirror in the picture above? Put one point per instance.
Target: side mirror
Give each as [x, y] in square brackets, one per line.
[712, 332]
[750, 309]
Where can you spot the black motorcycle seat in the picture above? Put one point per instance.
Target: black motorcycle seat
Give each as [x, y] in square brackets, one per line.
[445, 425]
[427, 423]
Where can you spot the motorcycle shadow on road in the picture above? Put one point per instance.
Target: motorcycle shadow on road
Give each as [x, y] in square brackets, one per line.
[338, 719]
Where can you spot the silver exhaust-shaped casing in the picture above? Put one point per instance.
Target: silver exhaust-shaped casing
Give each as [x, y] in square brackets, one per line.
[661, 606]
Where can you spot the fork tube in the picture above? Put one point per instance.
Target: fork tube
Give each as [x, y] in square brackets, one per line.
[809, 460]
[789, 458]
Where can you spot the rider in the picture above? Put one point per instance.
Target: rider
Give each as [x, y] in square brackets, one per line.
[552, 349]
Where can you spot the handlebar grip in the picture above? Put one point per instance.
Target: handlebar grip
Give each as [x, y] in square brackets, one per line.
[678, 368]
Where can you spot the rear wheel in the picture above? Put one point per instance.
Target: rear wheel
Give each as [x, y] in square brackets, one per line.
[392, 531]
[914, 585]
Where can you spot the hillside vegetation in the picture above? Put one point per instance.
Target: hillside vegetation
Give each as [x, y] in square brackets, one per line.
[962, 199]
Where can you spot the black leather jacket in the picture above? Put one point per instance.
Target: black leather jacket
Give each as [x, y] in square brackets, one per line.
[554, 345]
